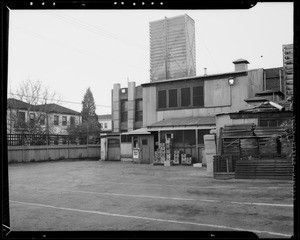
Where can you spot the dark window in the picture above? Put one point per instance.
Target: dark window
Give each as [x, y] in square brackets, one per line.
[42, 119]
[264, 123]
[64, 120]
[201, 133]
[189, 137]
[32, 117]
[185, 97]
[105, 125]
[20, 119]
[124, 116]
[162, 99]
[138, 110]
[273, 123]
[72, 121]
[21, 116]
[173, 98]
[198, 97]
[178, 137]
[124, 113]
[56, 120]
[144, 142]
[126, 138]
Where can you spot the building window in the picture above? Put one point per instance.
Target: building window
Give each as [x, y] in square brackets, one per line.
[144, 142]
[173, 98]
[64, 120]
[201, 134]
[56, 120]
[185, 97]
[124, 111]
[105, 125]
[20, 119]
[198, 96]
[32, 117]
[138, 110]
[126, 138]
[42, 119]
[162, 99]
[72, 121]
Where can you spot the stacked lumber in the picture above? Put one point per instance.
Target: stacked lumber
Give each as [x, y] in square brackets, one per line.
[267, 146]
[238, 130]
[231, 146]
[280, 169]
[269, 131]
[249, 147]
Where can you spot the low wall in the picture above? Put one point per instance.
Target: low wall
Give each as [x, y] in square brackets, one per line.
[52, 152]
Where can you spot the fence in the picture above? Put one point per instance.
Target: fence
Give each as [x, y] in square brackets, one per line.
[37, 147]
[47, 139]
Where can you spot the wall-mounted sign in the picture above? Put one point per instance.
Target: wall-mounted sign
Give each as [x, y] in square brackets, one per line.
[135, 153]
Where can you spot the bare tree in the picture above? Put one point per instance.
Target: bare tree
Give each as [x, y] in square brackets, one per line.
[31, 114]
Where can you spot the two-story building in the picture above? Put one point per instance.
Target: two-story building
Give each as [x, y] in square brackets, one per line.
[51, 118]
[105, 122]
[184, 109]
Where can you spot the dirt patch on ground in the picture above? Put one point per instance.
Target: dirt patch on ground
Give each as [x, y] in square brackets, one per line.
[183, 210]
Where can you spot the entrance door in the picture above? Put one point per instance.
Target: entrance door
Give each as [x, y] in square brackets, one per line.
[113, 149]
[145, 150]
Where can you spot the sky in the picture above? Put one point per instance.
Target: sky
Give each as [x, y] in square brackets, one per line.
[71, 50]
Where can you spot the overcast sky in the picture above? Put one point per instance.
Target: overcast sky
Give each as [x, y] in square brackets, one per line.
[71, 50]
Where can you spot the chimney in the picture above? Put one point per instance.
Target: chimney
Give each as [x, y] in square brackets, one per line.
[240, 65]
[205, 71]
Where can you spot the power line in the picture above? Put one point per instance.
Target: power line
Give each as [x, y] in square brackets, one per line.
[63, 44]
[57, 100]
[95, 29]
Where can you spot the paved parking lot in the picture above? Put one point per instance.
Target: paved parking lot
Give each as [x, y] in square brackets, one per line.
[95, 195]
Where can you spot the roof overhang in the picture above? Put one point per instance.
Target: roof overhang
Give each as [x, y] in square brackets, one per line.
[140, 131]
[184, 124]
[173, 128]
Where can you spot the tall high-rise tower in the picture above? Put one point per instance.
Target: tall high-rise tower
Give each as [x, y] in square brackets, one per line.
[172, 48]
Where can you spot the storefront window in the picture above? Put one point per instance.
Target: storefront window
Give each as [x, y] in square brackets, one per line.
[201, 134]
[190, 137]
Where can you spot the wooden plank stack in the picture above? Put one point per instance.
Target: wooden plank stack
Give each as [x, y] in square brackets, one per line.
[238, 130]
[267, 146]
[269, 131]
[280, 169]
[249, 147]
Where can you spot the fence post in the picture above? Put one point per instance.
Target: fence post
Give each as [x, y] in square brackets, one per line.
[47, 148]
[68, 139]
[87, 146]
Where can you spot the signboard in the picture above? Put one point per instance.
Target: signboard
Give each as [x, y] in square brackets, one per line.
[135, 153]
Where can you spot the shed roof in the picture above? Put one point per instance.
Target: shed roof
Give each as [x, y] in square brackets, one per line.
[140, 131]
[241, 60]
[104, 116]
[256, 99]
[187, 121]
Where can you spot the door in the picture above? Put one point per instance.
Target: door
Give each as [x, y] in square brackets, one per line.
[145, 150]
[113, 149]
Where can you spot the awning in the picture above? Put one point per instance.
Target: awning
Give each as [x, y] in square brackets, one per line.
[140, 131]
[184, 123]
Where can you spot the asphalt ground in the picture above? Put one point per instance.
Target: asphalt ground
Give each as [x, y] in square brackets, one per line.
[114, 196]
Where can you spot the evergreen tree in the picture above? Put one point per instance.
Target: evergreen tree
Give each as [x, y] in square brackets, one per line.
[88, 107]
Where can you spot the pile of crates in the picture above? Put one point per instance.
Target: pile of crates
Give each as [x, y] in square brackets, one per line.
[186, 159]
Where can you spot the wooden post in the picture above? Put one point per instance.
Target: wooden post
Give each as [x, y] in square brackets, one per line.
[197, 150]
